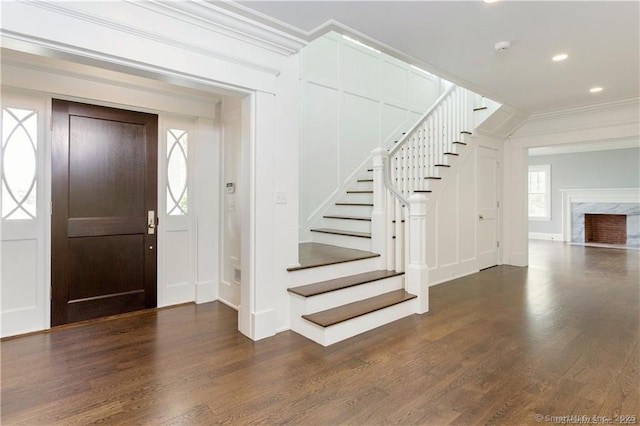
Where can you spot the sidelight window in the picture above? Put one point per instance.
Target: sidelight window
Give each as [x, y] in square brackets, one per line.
[19, 163]
[177, 183]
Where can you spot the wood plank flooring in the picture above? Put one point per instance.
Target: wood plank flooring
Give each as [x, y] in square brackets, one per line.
[560, 337]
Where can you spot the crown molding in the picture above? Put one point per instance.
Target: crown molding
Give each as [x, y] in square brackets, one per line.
[60, 8]
[594, 108]
[584, 147]
[226, 22]
[43, 47]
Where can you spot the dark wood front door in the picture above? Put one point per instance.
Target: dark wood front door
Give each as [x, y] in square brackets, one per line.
[104, 167]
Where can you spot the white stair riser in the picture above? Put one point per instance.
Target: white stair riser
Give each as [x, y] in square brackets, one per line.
[352, 210]
[357, 198]
[357, 243]
[346, 224]
[322, 302]
[329, 272]
[344, 330]
[361, 186]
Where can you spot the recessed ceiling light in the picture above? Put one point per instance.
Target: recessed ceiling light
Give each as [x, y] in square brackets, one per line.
[595, 89]
[560, 57]
[489, 1]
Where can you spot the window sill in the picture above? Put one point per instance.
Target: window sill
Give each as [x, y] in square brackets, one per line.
[540, 218]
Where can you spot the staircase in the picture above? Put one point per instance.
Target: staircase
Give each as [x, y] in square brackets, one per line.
[348, 223]
[366, 287]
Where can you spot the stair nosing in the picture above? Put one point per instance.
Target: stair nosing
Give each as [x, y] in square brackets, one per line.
[355, 204]
[402, 295]
[342, 232]
[362, 218]
[358, 279]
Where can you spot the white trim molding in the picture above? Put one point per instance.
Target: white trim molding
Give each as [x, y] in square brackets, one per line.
[593, 195]
[545, 236]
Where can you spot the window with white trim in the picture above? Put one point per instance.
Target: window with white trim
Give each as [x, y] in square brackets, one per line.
[540, 192]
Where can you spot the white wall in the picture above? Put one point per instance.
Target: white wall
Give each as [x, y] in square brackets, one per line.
[605, 122]
[201, 49]
[354, 99]
[229, 288]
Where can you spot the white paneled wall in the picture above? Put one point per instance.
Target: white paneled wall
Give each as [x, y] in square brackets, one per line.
[229, 290]
[354, 99]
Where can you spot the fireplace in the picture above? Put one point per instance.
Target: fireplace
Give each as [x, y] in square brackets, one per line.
[578, 203]
[605, 228]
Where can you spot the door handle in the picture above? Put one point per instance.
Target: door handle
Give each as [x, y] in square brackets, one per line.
[151, 222]
[480, 217]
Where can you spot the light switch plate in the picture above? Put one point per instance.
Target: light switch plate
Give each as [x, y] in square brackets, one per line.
[281, 197]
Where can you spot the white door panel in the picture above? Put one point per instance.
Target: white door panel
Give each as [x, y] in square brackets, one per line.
[487, 184]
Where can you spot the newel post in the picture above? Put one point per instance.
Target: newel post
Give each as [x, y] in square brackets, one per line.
[417, 273]
[379, 214]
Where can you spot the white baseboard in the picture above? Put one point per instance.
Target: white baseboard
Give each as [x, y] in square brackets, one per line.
[263, 324]
[205, 292]
[545, 236]
[226, 302]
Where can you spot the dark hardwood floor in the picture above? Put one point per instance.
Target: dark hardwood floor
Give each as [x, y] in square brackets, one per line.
[558, 338]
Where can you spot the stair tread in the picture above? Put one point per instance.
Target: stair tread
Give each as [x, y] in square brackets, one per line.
[420, 191]
[365, 180]
[464, 132]
[441, 165]
[362, 307]
[433, 177]
[323, 287]
[364, 218]
[355, 204]
[451, 153]
[459, 143]
[359, 192]
[313, 255]
[343, 232]
[480, 108]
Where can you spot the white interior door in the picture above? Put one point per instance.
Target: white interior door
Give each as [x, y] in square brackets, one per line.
[487, 182]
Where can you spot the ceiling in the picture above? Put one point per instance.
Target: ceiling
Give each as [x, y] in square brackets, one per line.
[455, 40]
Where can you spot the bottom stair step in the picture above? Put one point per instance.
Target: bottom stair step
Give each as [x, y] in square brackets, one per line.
[353, 310]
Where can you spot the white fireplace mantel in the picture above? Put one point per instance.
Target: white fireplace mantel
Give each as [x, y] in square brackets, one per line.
[593, 195]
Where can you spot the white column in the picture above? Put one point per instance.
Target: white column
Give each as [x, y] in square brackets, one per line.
[417, 274]
[379, 215]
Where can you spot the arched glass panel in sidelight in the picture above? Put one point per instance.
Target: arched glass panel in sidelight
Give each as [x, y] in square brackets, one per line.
[177, 186]
[19, 163]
